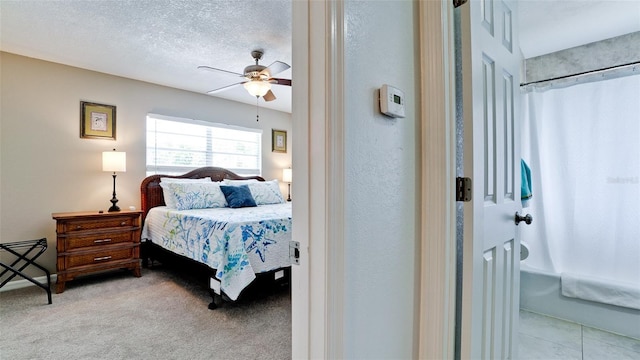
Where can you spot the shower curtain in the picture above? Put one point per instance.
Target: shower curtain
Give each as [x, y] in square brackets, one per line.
[582, 144]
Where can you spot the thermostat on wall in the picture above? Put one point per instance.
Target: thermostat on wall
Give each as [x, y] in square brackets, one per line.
[391, 101]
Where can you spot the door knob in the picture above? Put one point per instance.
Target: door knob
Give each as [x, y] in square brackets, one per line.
[528, 219]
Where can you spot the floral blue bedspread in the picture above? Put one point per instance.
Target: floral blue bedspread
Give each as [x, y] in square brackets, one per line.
[238, 243]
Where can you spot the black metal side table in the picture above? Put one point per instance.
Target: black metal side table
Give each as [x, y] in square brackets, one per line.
[27, 251]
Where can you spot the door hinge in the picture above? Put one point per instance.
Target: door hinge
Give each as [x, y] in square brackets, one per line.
[457, 3]
[294, 252]
[463, 189]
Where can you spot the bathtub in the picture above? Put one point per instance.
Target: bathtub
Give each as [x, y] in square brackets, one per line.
[540, 293]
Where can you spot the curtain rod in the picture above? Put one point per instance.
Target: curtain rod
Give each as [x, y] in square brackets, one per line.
[584, 77]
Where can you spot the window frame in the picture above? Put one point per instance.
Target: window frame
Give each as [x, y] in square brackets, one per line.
[153, 168]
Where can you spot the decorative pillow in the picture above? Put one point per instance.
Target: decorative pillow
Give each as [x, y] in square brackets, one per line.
[238, 182]
[238, 196]
[168, 196]
[196, 195]
[266, 192]
[185, 180]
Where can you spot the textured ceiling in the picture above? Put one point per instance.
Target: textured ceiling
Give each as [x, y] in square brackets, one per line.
[547, 26]
[158, 41]
[164, 41]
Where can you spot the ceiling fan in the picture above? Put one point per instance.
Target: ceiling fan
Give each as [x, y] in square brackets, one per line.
[257, 78]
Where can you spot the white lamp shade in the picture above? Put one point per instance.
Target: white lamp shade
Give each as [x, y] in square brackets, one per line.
[115, 161]
[257, 87]
[287, 174]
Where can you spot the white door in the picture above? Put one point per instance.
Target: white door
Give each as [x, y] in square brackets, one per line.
[491, 261]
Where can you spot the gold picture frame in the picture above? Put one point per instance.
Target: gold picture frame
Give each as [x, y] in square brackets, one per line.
[278, 141]
[97, 121]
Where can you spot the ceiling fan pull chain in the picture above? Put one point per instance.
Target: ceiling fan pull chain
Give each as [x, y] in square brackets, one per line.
[257, 109]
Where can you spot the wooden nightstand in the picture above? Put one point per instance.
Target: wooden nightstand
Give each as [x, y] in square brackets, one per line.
[90, 241]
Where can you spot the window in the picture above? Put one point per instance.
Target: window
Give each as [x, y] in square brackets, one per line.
[176, 146]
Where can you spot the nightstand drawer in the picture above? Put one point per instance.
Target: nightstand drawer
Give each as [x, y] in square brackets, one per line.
[98, 257]
[80, 241]
[92, 241]
[84, 225]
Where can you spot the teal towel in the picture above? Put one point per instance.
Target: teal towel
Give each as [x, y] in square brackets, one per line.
[525, 185]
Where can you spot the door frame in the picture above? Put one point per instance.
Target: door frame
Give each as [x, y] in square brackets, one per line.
[318, 165]
[438, 164]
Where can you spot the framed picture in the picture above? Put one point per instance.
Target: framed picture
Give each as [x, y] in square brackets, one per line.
[278, 141]
[97, 121]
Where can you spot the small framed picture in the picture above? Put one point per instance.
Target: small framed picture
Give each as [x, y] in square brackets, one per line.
[278, 141]
[97, 121]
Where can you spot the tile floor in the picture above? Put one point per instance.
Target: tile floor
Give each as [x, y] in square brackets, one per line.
[543, 337]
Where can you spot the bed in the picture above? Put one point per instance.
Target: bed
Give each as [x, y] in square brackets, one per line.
[208, 218]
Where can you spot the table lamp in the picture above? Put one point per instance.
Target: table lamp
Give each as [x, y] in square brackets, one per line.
[114, 161]
[286, 177]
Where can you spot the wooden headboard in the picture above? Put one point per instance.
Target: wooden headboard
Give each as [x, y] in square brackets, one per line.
[151, 191]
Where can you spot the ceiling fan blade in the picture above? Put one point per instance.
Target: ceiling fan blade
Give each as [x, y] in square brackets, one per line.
[226, 72]
[286, 82]
[224, 88]
[269, 96]
[274, 68]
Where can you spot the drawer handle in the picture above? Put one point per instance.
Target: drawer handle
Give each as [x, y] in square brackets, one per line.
[78, 227]
[101, 241]
[102, 258]
[123, 223]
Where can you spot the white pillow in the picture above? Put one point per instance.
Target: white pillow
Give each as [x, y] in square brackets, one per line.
[184, 180]
[168, 196]
[266, 192]
[194, 195]
[238, 182]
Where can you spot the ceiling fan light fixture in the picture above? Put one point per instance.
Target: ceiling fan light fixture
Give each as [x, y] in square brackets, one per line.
[257, 87]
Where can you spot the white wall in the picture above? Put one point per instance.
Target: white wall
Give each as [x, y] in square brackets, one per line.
[46, 167]
[382, 193]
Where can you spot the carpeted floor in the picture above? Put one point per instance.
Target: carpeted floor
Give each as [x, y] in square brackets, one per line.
[162, 315]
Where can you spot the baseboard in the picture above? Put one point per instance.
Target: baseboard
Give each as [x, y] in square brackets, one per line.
[19, 284]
